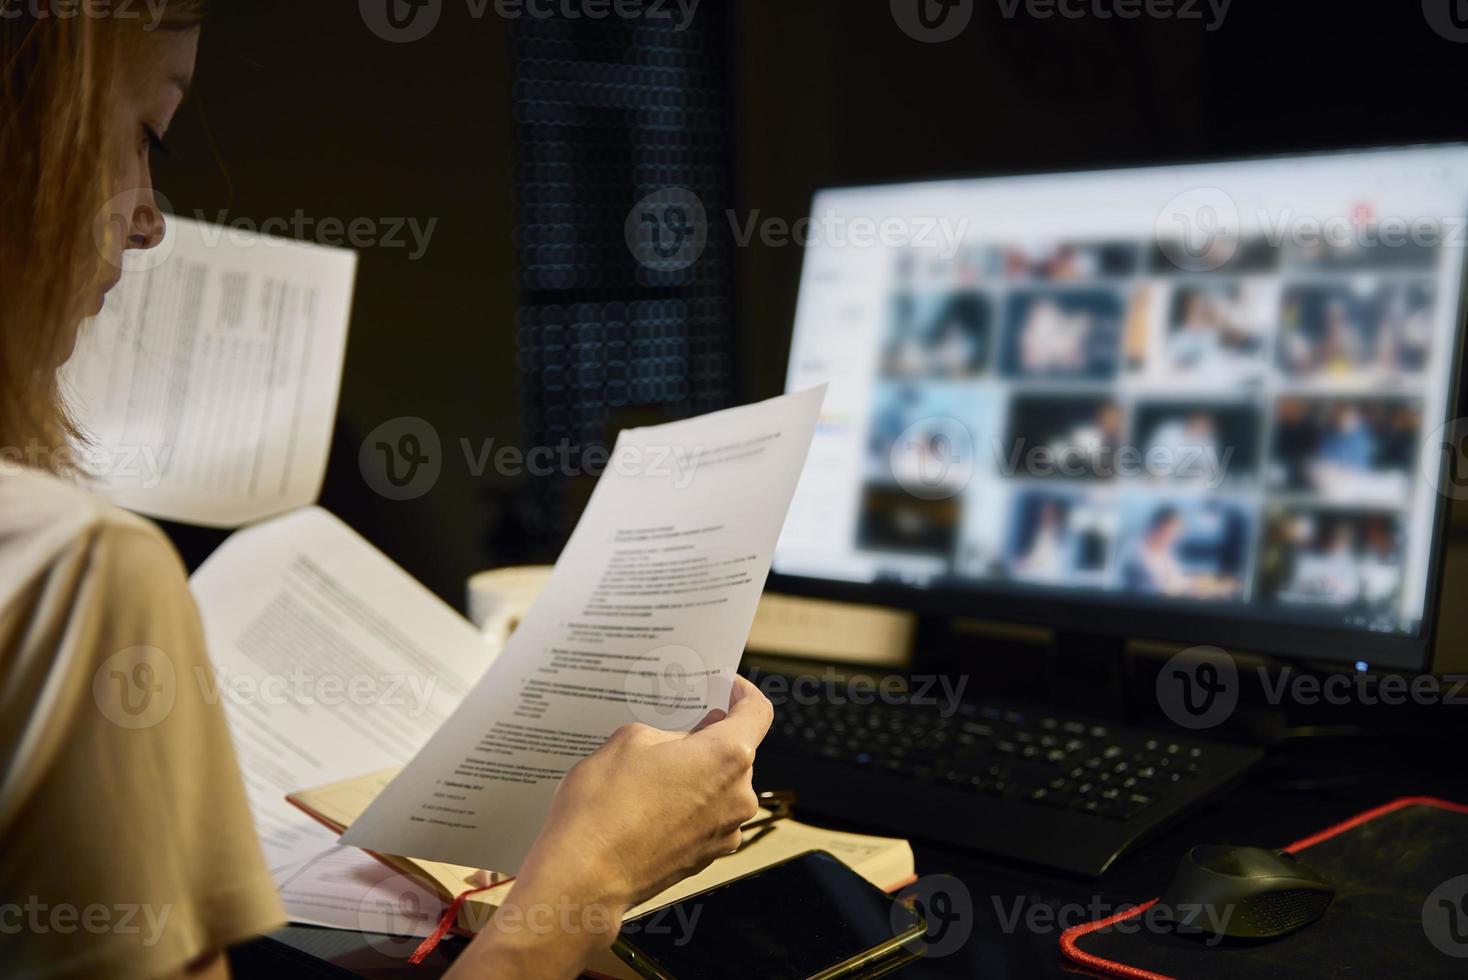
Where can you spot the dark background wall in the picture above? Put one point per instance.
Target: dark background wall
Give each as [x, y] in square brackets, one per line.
[299, 106]
[305, 108]
[832, 91]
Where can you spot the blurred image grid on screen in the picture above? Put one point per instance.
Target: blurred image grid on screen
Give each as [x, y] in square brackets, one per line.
[1245, 433]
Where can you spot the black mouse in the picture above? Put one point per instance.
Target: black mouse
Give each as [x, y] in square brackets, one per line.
[1245, 893]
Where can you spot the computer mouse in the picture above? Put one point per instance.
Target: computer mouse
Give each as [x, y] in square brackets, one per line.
[1245, 893]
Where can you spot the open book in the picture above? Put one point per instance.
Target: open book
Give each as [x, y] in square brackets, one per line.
[884, 861]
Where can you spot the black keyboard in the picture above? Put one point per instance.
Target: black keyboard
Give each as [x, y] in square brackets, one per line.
[1026, 783]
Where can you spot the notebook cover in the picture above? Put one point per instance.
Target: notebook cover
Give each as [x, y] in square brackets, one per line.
[1385, 863]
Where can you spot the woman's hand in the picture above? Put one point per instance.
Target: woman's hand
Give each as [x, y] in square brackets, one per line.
[644, 811]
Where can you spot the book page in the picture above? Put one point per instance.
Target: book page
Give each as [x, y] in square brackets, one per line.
[643, 620]
[329, 660]
[208, 383]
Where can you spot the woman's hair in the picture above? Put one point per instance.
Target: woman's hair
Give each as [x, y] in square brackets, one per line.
[57, 69]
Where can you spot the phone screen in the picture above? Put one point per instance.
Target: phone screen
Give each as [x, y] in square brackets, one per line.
[792, 919]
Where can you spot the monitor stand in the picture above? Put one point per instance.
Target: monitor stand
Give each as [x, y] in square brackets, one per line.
[1089, 673]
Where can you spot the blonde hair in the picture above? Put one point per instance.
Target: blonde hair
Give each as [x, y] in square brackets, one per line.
[56, 139]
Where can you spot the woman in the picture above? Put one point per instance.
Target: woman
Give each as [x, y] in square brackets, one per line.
[128, 851]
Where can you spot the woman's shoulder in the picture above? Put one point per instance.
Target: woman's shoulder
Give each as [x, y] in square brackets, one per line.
[46, 518]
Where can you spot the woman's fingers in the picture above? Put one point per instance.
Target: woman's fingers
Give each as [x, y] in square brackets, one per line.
[717, 714]
[744, 726]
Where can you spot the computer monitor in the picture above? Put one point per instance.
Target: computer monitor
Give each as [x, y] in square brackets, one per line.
[1196, 402]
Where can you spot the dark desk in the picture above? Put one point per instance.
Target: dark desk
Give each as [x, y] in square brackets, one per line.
[1015, 914]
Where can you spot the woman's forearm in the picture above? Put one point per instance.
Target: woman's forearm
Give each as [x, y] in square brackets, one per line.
[549, 925]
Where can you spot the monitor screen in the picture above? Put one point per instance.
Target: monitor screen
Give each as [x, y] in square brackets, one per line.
[1207, 390]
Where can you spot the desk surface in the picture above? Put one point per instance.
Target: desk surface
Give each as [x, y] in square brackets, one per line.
[1015, 914]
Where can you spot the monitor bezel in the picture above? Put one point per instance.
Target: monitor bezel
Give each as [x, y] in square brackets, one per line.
[1115, 614]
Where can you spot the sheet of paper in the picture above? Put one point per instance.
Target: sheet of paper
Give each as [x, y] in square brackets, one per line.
[330, 661]
[345, 888]
[208, 384]
[644, 619]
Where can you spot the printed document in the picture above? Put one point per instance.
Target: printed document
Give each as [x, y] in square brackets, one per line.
[643, 620]
[208, 383]
[330, 661]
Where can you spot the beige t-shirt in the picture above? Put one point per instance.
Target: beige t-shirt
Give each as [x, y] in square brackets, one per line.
[126, 845]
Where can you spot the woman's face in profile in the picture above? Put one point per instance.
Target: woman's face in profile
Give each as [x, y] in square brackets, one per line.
[154, 72]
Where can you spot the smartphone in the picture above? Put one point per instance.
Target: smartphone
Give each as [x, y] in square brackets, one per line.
[808, 918]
